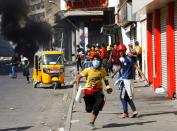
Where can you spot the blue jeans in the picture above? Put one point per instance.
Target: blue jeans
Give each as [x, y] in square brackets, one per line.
[14, 71]
[126, 100]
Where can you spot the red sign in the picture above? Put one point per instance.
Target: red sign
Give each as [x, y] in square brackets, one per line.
[86, 4]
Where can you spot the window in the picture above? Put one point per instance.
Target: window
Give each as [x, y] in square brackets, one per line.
[52, 59]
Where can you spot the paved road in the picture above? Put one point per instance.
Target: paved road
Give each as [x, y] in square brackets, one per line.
[25, 108]
[156, 113]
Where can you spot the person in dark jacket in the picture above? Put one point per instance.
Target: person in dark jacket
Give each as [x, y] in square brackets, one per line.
[14, 67]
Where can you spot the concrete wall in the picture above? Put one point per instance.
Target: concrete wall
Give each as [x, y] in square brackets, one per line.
[139, 4]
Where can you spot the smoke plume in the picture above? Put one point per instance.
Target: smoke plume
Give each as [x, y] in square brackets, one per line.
[16, 26]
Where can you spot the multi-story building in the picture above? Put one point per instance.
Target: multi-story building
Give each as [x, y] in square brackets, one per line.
[86, 22]
[37, 10]
[133, 28]
[43, 10]
[127, 21]
[158, 18]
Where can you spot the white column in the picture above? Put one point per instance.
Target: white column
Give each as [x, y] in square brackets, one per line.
[109, 40]
[138, 32]
[144, 47]
[125, 37]
[73, 43]
[86, 36]
[77, 37]
[81, 33]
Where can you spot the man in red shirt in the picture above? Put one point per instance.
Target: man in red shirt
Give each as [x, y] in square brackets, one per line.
[104, 56]
[114, 56]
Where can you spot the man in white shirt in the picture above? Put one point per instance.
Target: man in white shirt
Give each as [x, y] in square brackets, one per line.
[25, 66]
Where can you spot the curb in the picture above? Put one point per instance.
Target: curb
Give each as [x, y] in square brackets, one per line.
[69, 115]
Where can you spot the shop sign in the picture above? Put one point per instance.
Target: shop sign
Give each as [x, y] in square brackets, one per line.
[76, 4]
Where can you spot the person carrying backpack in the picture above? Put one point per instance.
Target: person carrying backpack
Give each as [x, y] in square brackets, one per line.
[24, 64]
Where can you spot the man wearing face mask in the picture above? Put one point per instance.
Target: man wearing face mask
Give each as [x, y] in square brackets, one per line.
[93, 92]
[126, 95]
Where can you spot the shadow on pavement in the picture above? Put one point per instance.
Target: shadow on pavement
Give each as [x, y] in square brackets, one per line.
[143, 86]
[50, 87]
[159, 113]
[111, 125]
[156, 98]
[16, 129]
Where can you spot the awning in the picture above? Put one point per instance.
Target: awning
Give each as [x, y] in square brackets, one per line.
[64, 14]
[110, 29]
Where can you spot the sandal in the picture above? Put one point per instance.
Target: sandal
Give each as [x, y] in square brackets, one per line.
[123, 115]
[135, 114]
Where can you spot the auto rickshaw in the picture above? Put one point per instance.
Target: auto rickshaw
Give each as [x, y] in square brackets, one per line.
[48, 69]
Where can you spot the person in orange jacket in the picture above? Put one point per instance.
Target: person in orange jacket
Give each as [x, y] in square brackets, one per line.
[92, 52]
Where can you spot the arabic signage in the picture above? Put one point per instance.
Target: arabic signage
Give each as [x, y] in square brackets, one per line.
[76, 4]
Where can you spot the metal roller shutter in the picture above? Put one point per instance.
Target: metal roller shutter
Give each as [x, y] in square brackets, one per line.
[163, 26]
[153, 44]
[175, 19]
[144, 47]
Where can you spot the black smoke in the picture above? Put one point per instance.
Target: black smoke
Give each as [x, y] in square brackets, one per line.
[16, 26]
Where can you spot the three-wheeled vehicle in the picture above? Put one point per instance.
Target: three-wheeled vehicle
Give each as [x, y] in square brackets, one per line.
[48, 68]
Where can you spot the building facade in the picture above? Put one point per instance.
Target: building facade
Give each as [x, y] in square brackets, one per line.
[83, 23]
[37, 10]
[160, 17]
[43, 10]
[133, 28]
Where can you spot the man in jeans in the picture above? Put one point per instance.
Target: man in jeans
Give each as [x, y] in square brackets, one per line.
[126, 96]
[14, 67]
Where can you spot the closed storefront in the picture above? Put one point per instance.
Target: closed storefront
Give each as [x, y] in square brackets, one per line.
[162, 45]
[144, 46]
[153, 44]
[163, 25]
[175, 28]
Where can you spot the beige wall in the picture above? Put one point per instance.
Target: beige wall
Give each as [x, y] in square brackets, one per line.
[139, 4]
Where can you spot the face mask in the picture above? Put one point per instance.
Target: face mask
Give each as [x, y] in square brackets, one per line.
[122, 59]
[96, 63]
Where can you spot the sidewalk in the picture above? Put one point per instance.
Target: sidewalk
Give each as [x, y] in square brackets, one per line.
[156, 113]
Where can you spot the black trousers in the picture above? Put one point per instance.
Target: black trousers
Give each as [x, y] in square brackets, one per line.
[78, 64]
[94, 102]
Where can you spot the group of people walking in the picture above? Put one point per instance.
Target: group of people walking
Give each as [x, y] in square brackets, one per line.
[115, 60]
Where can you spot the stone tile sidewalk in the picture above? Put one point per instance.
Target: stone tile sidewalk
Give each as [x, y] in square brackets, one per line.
[156, 112]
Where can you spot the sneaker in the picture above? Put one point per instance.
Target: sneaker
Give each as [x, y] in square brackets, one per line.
[92, 127]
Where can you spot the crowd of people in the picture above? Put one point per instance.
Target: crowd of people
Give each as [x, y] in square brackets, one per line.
[109, 55]
[96, 63]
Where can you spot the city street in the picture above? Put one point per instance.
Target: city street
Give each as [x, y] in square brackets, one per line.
[58, 42]
[32, 109]
[156, 112]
